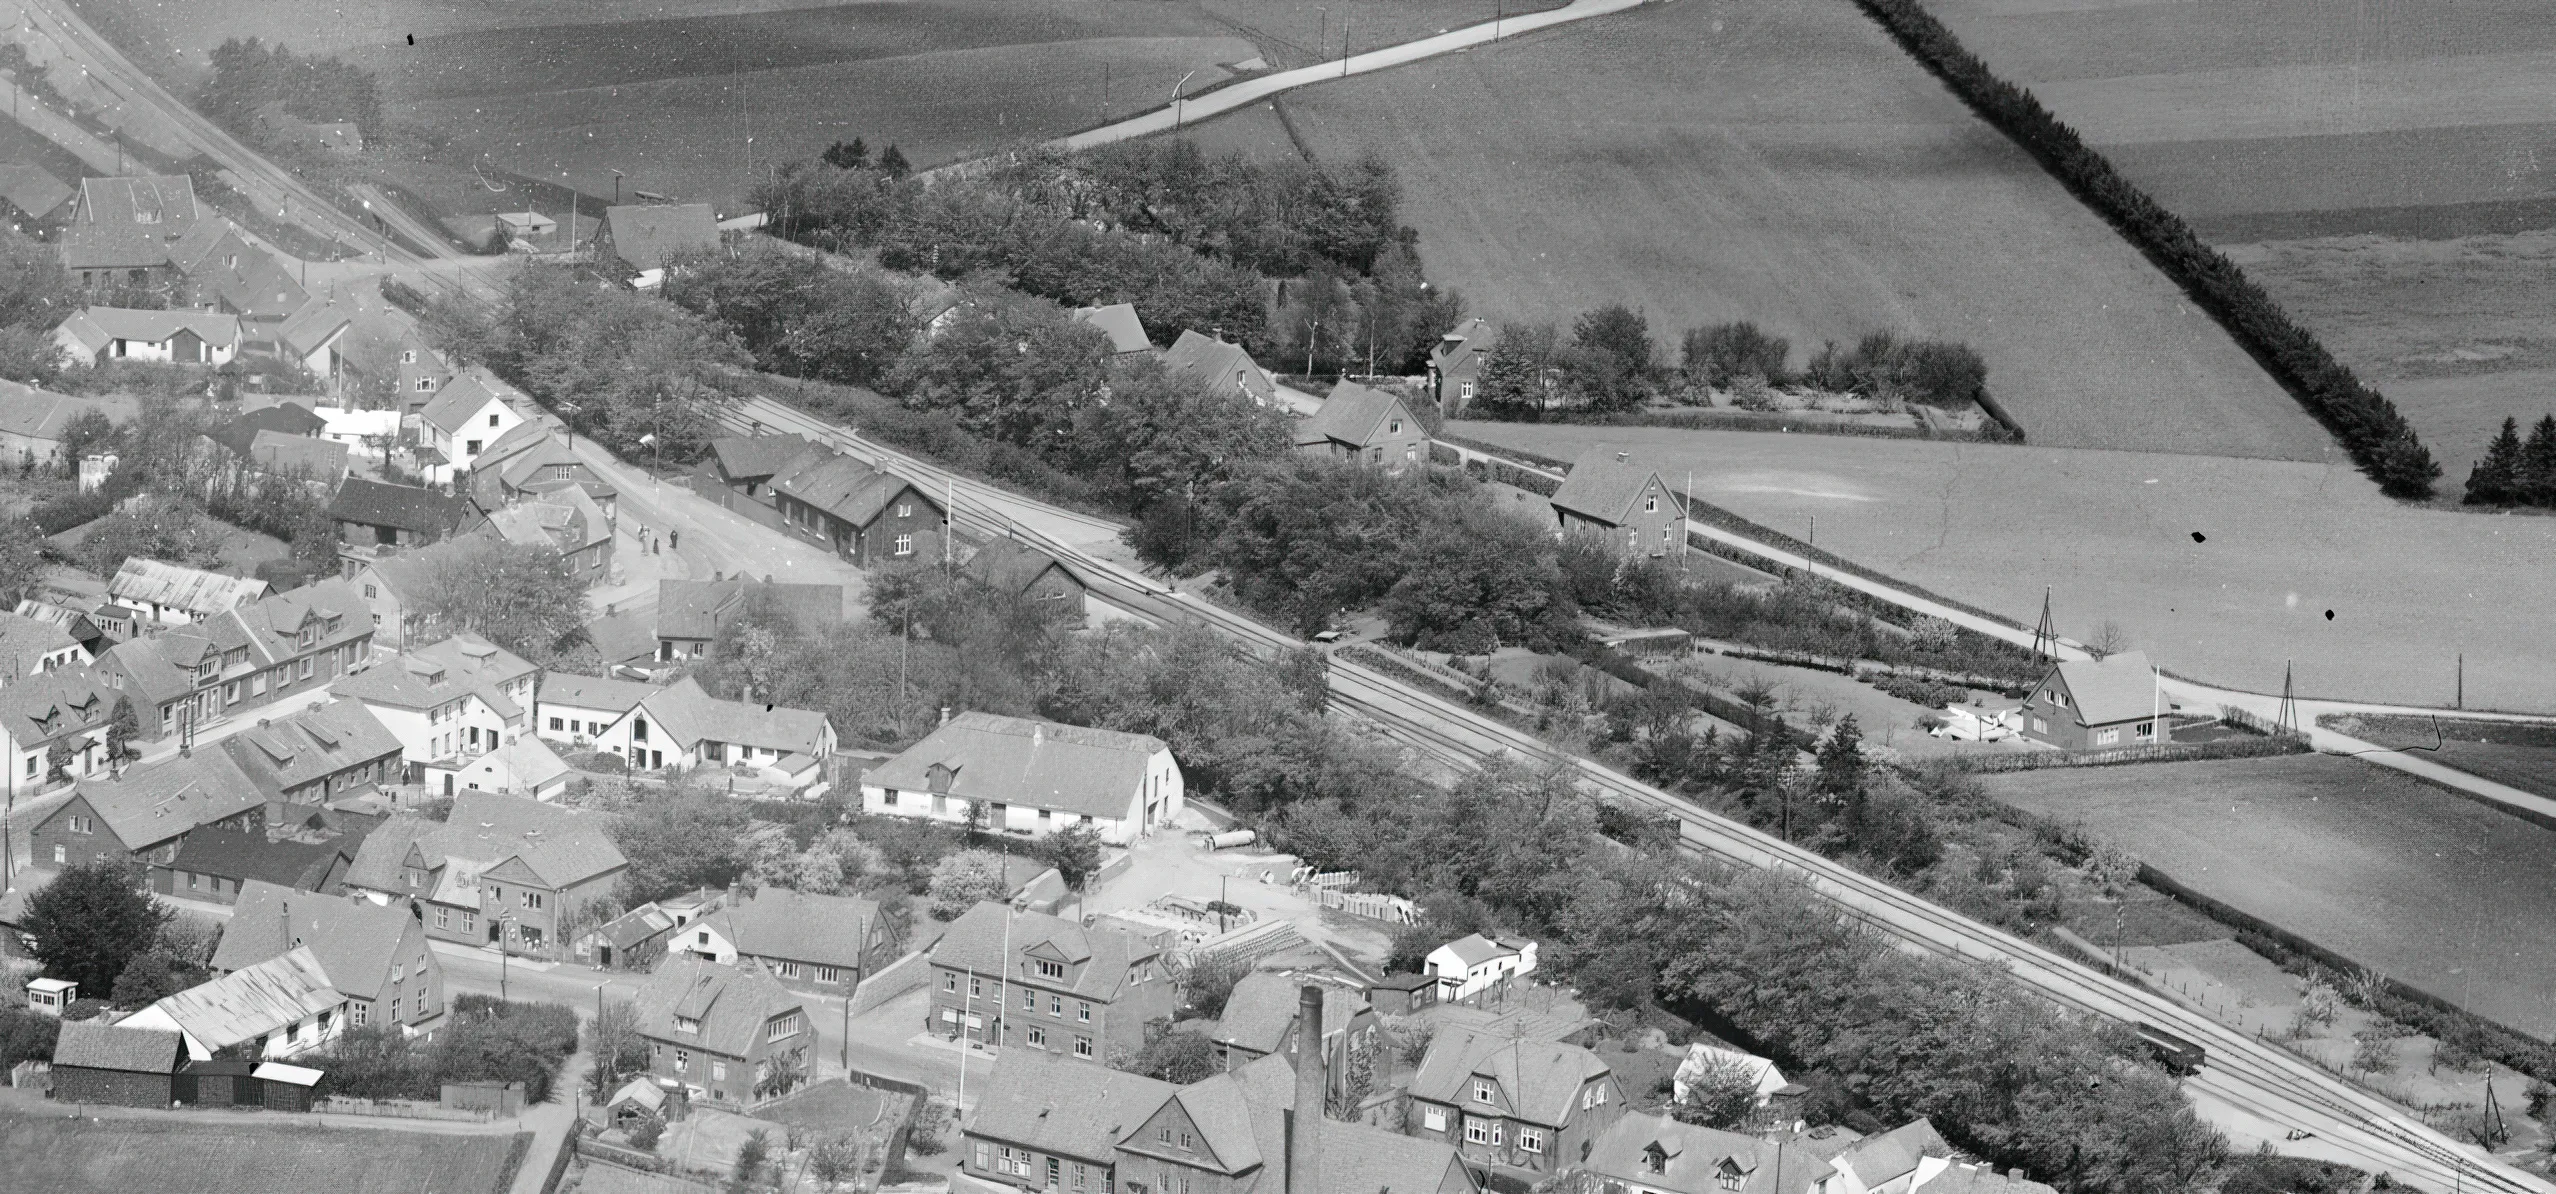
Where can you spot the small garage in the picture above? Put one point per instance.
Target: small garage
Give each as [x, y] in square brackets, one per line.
[122, 1067]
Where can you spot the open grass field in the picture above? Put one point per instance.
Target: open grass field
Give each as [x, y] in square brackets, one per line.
[242, 1153]
[2111, 534]
[2443, 893]
[2521, 755]
[1784, 162]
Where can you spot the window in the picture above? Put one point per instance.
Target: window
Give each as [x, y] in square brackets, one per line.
[1083, 1011]
[829, 974]
[888, 797]
[1166, 1135]
[468, 919]
[718, 1071]
[2039, 726]
[984, 1157]
[683, 1060]
[789, 970]
[557, 724]
[78, 824]
[1048, 969]
[1082, 1046]
[1081, 1175]
[1051, 1173]
[2057, 698]
[396, 972]
[1477, 1132]
[191, 877]
[1728, 1179]
[905, 545]
[1482, 1092]
[1038, 1038]
[2145, 729]
[2107, 737]
[949, 982]
[1056, 1006]
[976, 985]
[638, 729]
[786, 1026]
[1594, 1096]
[1029, 1000]
[492, 420]
[1530, 1140]
[362, 1012]
[394, 1009]
[1651, 504]
[306, 668]
[1464, 391]
[905, 509]
[532, 899]
[369, 591]
[58, 853]
[1435, 1118]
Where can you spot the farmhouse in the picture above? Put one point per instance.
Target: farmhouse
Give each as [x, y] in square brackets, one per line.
[865, 515]
[1610, 496]
[1224, 366]
[1016, 569]
[1366, 425]
[121, 232]
[1034, 981]
[810, 942]
[1030, 777]
[733, 1037]
[94, 335]
[282, 1007]
[2087, 704]
[684, 726]
[116, 1065]
[692, 613]
[374, 954]
[1521, 1105]
[1455, 364]
[646, 240]
[499, 869]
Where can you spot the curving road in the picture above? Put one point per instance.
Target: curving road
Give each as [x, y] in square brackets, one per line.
[2254, 1090]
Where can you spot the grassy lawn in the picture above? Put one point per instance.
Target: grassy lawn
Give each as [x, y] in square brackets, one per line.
[832, 1107]
[2523, 756]
[246, 1152]
[2443, 893]
[2111, 533]
[1784, 162]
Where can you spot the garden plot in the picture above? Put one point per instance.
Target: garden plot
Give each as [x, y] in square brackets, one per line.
[124, 1154]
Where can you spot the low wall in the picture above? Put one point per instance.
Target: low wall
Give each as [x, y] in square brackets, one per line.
[894, 979]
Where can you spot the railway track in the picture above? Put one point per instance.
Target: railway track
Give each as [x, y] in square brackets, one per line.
[2244, 1077]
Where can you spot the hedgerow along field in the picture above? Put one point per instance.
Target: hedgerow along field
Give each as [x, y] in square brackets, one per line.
[2112, 534]
[2441, 893]
[1787, 163]
[119, 1156]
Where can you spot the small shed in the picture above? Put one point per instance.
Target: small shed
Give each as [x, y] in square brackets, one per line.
[220, 1083]
[286, 1087]
[638, 1099]
[1402, 994]
[110, 1064]
[48, 996]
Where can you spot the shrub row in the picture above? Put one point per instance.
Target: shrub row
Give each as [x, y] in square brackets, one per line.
[1996, 431]
[2379, 438]
[2166, 752]
[1623, 667]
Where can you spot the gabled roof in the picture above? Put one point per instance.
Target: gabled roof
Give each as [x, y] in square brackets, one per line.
[468, 393]
[244, 278]
[689, 714]
[1694, 1159]
[529, 763]
[98, 1045]
[1604, 484]
[798, 926]
[1882, 1158]
[405, 507]
[593, 692]
[146, 582]
[1541, 1078]
[758, 455]
[39, 414]
[1019, 761]
[32, 189]
[843, 487]
[1219, 362]
[153, 802]
[23, 639]
[1222, 1115]
[1356, 1158]
[1117, 321]
[354, 939]
[635, 926]
[68, 622]
[252, 1001]
[130, 221]
[406, 682]
[289, 417]
[299, 456]
[700, 609]
[1353, 415]
[318, 321]
[1098, 957]
[242, 856]
[125, 323]
[1460, 346]
[40, 708]
[624, 636]
[564, 846]
[649, 236]
[1052, 1103]
[563, 520]
[286, 753]
[2119, 688]
[1473, 949]
[1263, 1007]
[1010, 567]
[732, 1004]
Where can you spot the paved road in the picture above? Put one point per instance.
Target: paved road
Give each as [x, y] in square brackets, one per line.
[389, 211]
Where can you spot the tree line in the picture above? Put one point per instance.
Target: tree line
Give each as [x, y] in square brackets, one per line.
[250, 76]
[2514, 473]
[1610, 364]
[2379, 438]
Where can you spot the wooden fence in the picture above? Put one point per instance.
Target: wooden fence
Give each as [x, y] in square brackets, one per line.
[1369, 904]
[399, 1109]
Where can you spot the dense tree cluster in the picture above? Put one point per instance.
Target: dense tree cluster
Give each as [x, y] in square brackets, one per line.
[1609, 364]
[250, 76]
[481, 1040]
[2514, 473]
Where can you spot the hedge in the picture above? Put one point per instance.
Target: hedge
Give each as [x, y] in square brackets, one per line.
[2163, 752]
[1623, 667]
[1999, 428]
[2379, 438]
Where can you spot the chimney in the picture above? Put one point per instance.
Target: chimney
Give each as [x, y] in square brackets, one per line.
[284, 913]
[1623, 457]
[1304, 1124]
[1038, 732]
[945, 715]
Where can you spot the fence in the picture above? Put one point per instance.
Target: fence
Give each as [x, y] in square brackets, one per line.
[399, 1109]
[2163, 752]
[1372, 905]
[2253, 724]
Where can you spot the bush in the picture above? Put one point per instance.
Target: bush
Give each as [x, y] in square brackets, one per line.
[2371, 429]
[1723, 353]
[644, 1133]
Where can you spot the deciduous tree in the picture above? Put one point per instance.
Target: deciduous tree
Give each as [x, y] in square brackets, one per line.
[92, 921]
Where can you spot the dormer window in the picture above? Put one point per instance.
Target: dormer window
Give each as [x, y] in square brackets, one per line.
[1482, 1092]
[1047, 969]
[687, 1024]
[1655, 1158]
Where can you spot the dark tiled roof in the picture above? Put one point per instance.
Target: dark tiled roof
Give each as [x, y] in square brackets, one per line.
[1052, 1103]
[289, 752]
[1540, 1078]
[1351, 415]
[241, 856]
[128, 222]
[242, 277]
[758, 455]
[843, 487]
[691, 609]
[798, 926]
[1016, 760]
[1470, 341]
[97, 1045]
[732, 1004]
[1097, 958]
[153, 802]
[624, 637]
[1263, 1007]
[39, 414]
[1219, 362]
[354, 939]
[564, 846]
[405, 507]
[1010, 567]
[1603, 485]
[32, 189]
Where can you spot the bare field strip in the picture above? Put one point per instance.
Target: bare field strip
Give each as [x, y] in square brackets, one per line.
[1784, 162]
[2444, 168]
[122, 1155]
[2308, 100]
[2443, 893]
[168, 29]
[2045, 40]
[2111, 533]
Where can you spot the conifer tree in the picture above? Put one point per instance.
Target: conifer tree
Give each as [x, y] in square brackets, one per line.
[2495, 479]
[2537, 483]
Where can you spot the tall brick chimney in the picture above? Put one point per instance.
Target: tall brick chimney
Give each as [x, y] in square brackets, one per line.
[1304, 1124]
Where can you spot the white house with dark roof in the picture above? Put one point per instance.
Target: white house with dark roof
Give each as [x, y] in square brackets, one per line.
[174, 594]
[2087, 704]
[684, 726]
[1474, 965]
[1623, 501]
[1032, 777]
[72, 707]
[445, 709]
[468, 415]
[96, 335]
[282, 1007]
[574, 710]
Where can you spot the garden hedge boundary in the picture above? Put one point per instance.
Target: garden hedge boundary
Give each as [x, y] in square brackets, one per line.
[2000, 428]
[2165, 752]
[2381, 442]
[1623, 667]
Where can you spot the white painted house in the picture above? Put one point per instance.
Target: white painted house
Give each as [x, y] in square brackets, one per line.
[285, 1005]
[684, 726]
[525, 766]
[574, 710]
[96, 335]
[1033, 777]
[1472, 965]
[441, 719]
[468, 415]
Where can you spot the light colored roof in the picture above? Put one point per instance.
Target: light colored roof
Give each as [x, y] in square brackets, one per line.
[2120, 688]
[699, 609]
[624, 636]
[1219, 362]
[642, 1090]
[96, 1045]
[1351, 415]
[314, 325]
[23, 639]
[1473, 949]
[1695, 1158]
[1119, 322]
[1540, 1078]
[530, 763]
[690, 714]
[562, 845]
[758, 455]
[320, 459]
[1603, 485]
[337, 420]
[731, 1003]
[637, 925]
[125, 323]
[147, 582]
[1096, 958]
[647, 237]
[1263, 1007]
[1019, 761]
[40, 414]
[153, 802]
[354, 940]
[593, 692]
[841, 486]
[1879, 1159]
[797, 926]
[253, 1001]
[1052, 1103]
[276, 1071]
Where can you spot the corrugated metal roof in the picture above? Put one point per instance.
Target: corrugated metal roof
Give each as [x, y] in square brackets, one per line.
[251, 1003]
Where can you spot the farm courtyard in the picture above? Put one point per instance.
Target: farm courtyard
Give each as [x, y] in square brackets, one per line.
[2442, 893]
[120, 1155]
[2111, 534]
